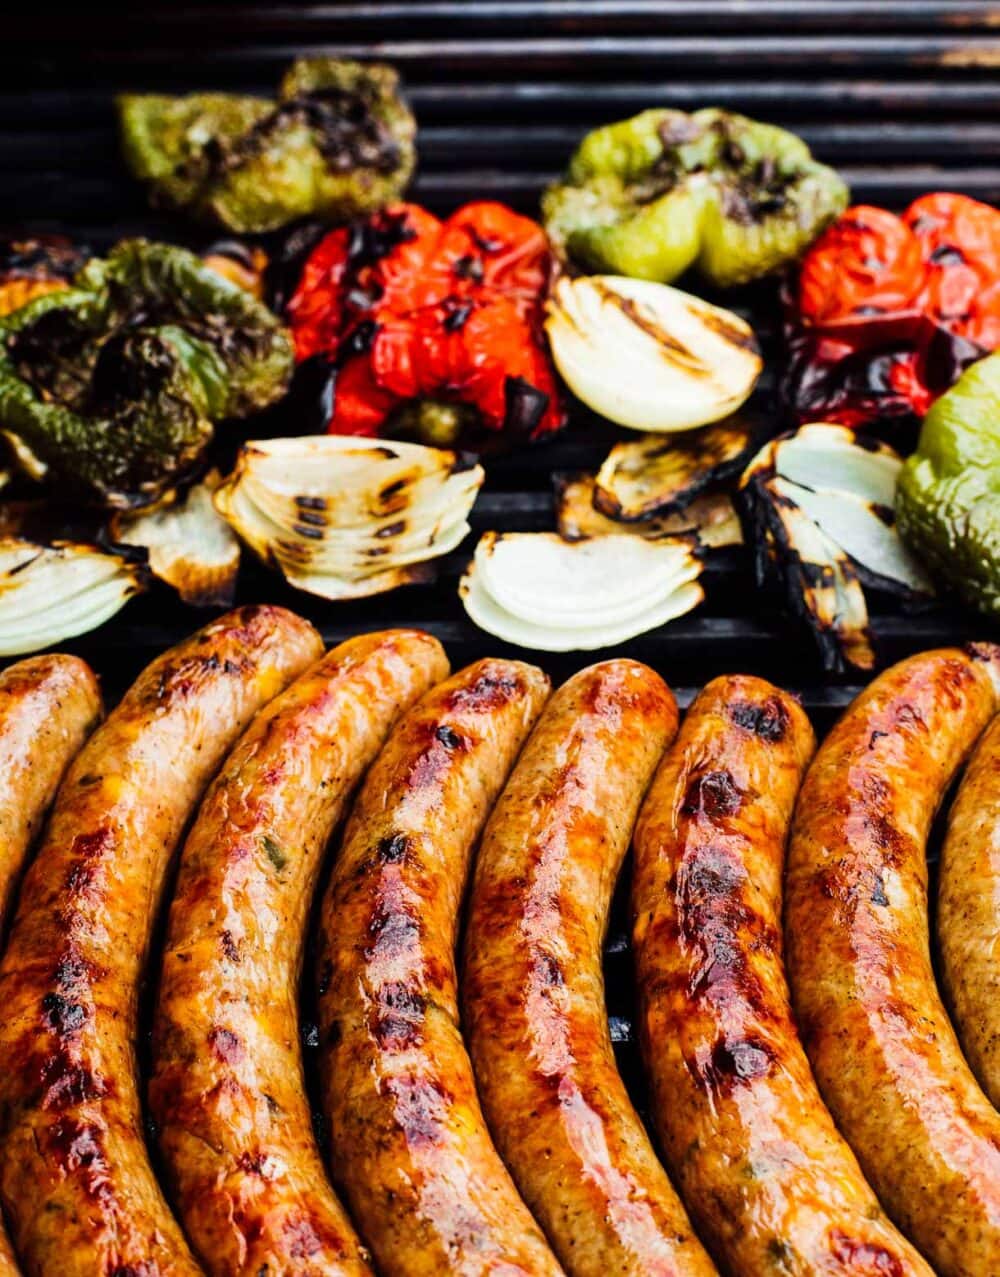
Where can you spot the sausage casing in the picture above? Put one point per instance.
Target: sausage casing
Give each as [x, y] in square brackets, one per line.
[968, 920]
[227, 1092]
[49, 705]
[533, 989]
[769, 1181]
[74, 1170]
[856, 931]
[427, 1188]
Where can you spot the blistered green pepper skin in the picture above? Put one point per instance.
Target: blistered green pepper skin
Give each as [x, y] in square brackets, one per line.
[652, 196]
[115, 384]
[948, 493]
[337, 144]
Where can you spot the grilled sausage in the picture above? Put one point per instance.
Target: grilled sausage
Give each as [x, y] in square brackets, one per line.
[227, 1091]
[968, 919]
[408, 1140]
[74, 1171]
[49, 705]
[533, 989]
[856, 930]
[769, 1181]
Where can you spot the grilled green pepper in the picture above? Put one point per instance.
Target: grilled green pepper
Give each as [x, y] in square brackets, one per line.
[338, 143]
[948, 493]
[114, 385]
[656, 194]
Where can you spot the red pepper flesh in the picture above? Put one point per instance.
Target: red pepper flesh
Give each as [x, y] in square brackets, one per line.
[412, 308]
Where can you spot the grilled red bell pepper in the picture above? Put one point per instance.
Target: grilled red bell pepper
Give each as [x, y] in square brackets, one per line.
[887, 311]
[408, 309]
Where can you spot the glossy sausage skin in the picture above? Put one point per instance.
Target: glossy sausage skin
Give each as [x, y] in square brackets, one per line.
[769, 1181]
[49, 705]
[856, 930]
[227, 1092]
[533, 988]
[74, 1171]
[428, 1190]
[968, 920]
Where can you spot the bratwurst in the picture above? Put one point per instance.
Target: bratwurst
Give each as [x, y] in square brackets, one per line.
[74, 1172]
[408, 1141]
[533, 991]
[968, 921]
[49, 705]
[227, 1091]
[856, 930]
[769, 1181]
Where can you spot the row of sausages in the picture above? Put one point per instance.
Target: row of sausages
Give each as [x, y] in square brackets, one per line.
[484, 1129]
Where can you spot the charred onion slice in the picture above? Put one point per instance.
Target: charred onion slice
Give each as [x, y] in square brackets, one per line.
[344, 517]
[49, 593]
[816, 503]
[661, 475]
[534, 589]
[712, 518]
[648, 356]
[190, 546]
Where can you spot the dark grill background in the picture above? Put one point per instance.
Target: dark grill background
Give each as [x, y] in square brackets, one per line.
[902, 95]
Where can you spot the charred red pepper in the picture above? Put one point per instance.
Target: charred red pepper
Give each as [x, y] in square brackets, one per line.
[887, 311]
[408, 310]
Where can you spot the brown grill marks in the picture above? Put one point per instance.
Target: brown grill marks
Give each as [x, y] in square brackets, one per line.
[398, 1020]
[768, 719]
[225, 1044]
[61, 1016]
[714, 794]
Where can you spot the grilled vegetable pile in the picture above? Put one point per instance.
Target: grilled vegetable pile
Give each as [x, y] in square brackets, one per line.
[420, 336]
[337, 143]
[888, 311]
[664, 191]
[431, 328]
[115, 385]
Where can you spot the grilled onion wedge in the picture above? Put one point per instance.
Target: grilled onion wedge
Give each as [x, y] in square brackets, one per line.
[661, 474]
[534, 589]
[712, 517]
[343, 517]
[49, 593]
[190, 546]
[649, 356]
[819, 506]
